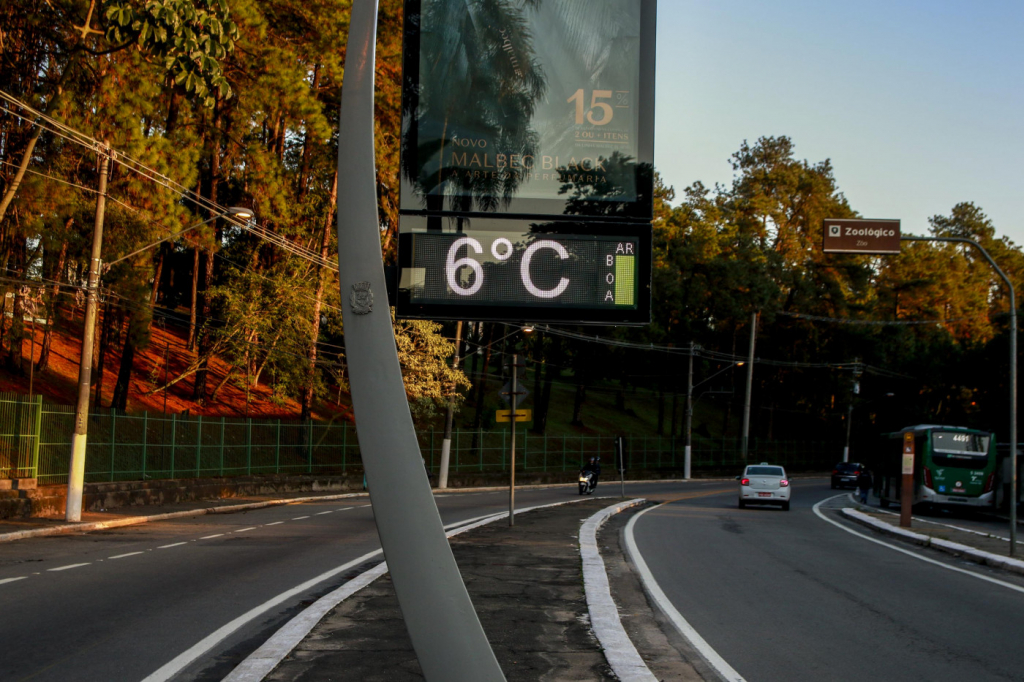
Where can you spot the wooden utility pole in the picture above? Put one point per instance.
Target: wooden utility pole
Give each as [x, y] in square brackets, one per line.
[76, 472]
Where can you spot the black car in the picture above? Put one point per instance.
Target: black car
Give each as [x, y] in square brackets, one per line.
[845, 474]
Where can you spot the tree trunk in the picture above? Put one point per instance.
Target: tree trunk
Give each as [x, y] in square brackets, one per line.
[107, 325]
[124, 373]
[321, 283]
[191, 344]
[158, 273]
[307, 143]
[199, 388]
[51, 309]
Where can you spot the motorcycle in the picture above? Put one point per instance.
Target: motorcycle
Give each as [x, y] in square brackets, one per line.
[588, 481]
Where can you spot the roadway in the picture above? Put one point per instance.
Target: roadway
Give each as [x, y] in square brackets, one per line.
[787, 596]
[188, 599]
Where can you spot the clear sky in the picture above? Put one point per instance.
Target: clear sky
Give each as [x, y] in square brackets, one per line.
[918, 103]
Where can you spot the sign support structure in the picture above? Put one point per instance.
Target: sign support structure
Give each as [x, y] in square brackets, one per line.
[445, 631]
[620, 460]
[512, 445]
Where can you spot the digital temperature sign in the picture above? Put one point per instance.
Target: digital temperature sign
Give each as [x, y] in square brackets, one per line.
[527, 160]
[548, 272]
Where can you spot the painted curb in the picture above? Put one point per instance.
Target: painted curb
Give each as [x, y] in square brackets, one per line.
[622, 655]
[954, 548]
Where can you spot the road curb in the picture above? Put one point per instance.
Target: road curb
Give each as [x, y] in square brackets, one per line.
[188, 513]
[620, 651]
[955, 548]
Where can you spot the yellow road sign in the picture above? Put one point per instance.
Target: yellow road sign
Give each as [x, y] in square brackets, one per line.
[506, 415]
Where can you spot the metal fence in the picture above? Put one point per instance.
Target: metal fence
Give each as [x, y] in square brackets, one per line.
[35, 442]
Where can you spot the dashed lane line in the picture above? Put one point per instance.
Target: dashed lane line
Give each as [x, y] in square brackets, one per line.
[11, 580]
[243, 530]
[210, 537]
[299, 518]
[275, 523]
[69, 566]
[329, 511]
[174, 544]
[122, 556]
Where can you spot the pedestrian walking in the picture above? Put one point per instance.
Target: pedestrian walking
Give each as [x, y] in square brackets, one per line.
[864, 485]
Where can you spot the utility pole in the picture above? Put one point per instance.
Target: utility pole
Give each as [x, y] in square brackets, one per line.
[849, 410]
[446, 444]
[512, 449]
[689, 417]
[76, 472]
[750, 385]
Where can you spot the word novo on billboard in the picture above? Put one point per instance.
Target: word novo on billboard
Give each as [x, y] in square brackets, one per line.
[854, 235]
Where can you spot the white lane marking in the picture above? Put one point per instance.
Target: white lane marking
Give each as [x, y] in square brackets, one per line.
[245, 530]
[259, 664]
[11, 580]
[299, 518]
[344, 509]
[331, 511]
[64, 568]
[682, 625]
[619, 650]
[122, 556]
[176, 544]
[275, 523]
[210, 537]
[994, 581]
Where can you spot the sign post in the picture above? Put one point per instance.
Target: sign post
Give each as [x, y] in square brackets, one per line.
[514, 395]
[907, 484]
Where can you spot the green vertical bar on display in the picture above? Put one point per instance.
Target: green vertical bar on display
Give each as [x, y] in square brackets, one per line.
[625, 280]
[277, 450]
[39, 435]
[174, 437]
[222, 447]
[113, 439]
[199, 443]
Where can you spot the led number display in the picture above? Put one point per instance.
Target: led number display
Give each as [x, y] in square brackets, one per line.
[498, 274]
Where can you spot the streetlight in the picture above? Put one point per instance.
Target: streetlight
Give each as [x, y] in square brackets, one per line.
[689, 407]
[76, 471]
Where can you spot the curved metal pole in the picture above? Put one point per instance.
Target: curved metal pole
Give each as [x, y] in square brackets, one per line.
[445, 631]
[1013, 372]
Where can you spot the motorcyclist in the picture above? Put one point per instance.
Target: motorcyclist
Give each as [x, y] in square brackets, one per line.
[593, 466]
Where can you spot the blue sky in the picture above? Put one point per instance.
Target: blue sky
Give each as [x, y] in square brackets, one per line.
[920, 105]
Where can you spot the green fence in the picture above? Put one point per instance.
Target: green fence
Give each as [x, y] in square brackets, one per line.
[35, 442]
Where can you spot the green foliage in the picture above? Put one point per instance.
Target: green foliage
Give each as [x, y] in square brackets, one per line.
[191, 37]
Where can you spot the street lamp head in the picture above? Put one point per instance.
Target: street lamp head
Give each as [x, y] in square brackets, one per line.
[238, 212]
[740, 363]
[527, 328]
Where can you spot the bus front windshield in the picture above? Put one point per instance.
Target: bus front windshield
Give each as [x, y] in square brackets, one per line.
[952, 448]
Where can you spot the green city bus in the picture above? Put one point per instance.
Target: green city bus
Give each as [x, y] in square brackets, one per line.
[953, 467]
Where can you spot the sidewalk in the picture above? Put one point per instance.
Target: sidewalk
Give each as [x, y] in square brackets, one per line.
[527, 587]
[990, 549]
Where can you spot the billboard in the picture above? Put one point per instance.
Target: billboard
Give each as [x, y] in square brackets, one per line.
[530, 113]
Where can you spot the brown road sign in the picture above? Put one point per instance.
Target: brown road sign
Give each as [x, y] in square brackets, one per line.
[853, 235]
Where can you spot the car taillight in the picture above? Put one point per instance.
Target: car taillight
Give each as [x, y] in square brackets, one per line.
[745, 481]
[835, 471]
[783, 483]
[990, 482]
[928, 477]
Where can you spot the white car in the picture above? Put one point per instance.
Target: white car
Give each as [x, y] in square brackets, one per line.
[764, 484]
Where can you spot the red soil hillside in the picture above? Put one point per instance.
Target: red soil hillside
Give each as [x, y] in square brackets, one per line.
[59, 381]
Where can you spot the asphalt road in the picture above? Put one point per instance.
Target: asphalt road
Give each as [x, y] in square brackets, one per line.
[120, 604]
[786, 596]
